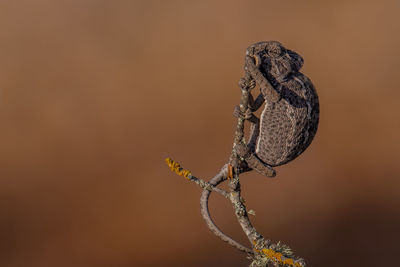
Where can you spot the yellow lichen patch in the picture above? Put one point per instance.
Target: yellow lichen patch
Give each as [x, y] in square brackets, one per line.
[277, 257]
[175, 167]
[288, 261]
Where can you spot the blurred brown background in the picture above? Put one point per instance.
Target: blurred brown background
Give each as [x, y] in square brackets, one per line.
[95, 94]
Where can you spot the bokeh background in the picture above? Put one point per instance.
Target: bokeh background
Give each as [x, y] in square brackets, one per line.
[94, 95]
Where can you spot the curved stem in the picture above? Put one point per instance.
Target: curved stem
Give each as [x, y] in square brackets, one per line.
[219, 178]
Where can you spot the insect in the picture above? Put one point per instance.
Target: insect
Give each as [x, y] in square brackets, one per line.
[289, 120]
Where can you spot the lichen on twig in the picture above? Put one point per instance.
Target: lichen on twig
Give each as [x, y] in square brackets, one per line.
[176, 167]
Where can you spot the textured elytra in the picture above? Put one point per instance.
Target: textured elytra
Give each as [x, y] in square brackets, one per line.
[289, 120]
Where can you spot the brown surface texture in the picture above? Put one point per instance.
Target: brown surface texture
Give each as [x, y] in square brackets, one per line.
[95, 94]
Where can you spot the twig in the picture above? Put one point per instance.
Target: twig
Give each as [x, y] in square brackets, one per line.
[219, 178]
[208, 187]
[263, 252]
[175, 167]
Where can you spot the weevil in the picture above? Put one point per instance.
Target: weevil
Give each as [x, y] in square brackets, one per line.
[289, 120]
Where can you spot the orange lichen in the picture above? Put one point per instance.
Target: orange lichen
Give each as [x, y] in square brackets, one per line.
[175, 167]
[277, 257]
